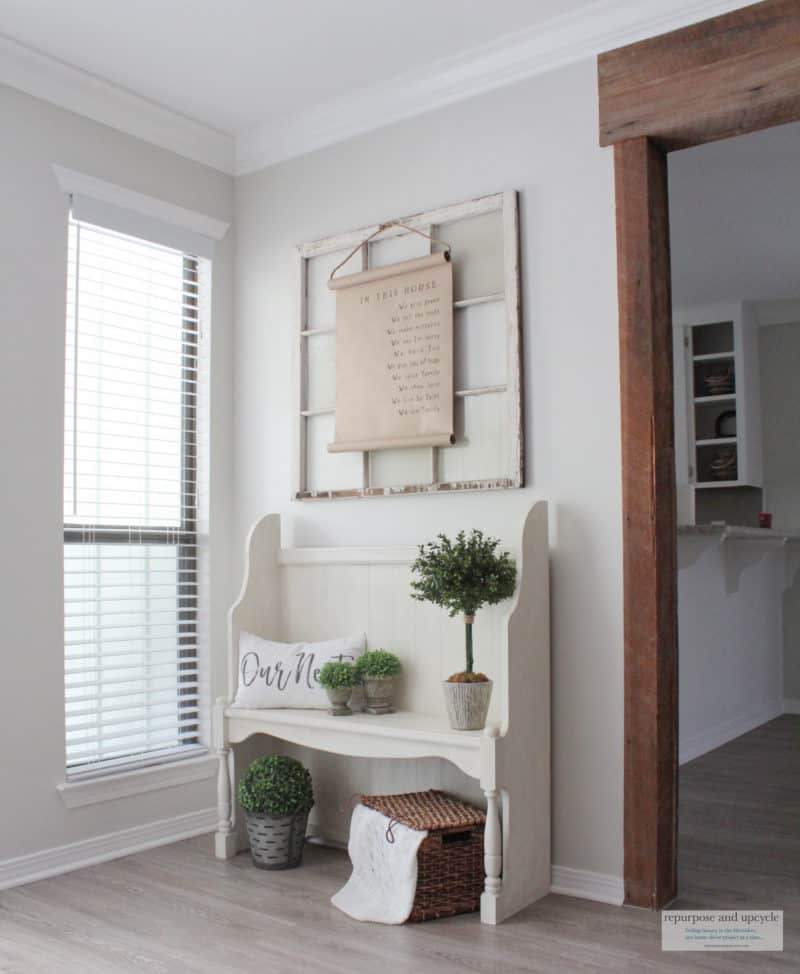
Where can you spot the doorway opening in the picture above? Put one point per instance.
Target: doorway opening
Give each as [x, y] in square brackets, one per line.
[734, 217]
[727, 76]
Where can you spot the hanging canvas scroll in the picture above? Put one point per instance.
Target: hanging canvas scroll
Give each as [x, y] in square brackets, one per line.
[394, 355]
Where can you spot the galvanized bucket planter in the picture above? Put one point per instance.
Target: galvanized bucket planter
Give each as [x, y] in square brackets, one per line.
[467, 704]
[277, 843]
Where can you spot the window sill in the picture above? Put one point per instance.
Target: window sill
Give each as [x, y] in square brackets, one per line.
[123, 784]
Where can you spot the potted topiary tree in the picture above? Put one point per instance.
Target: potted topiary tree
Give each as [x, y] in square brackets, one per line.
[461, 576]
[377, 670]
[277, 795]
[339, 679]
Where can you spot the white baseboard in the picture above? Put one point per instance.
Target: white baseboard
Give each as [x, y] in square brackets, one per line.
[720, 734]
[568, 882]
[791, 706]
[587, 885]
[89, 852]
[101, 848]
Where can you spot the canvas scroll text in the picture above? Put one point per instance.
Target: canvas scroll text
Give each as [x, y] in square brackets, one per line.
[394, 356]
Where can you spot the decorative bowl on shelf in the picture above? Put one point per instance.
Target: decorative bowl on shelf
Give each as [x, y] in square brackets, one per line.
[726, 423]
[723, 465]
[719, 382]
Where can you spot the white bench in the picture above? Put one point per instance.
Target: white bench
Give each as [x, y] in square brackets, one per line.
[307, 594]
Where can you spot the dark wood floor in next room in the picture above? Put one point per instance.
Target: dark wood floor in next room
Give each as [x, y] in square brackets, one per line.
[177, 910]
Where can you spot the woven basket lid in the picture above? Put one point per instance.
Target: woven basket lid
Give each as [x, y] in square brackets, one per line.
[425, 810]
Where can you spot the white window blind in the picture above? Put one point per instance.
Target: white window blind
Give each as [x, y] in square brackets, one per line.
[130, 501]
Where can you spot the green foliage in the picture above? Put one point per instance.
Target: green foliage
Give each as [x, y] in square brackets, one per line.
[276, 786]
[378, 664]
[339, 675]
[464, 574]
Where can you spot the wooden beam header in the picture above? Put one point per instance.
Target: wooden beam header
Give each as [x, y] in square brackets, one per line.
[733, 74]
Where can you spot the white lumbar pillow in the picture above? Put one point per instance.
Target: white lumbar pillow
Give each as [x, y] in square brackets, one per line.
[286, 675]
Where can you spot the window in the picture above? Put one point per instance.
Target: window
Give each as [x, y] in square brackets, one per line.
[131, 501]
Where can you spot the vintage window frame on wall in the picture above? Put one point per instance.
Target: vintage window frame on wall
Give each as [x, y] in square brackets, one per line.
[429, 222]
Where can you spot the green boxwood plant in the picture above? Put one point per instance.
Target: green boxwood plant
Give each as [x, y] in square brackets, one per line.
[339, 675]
[463, 575]
[378, 664]
[276, 786]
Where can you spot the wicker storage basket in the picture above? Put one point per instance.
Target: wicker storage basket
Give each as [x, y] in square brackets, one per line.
[277, 843]
[449, 860]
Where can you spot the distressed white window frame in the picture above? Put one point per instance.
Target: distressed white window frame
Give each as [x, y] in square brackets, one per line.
[507, 204]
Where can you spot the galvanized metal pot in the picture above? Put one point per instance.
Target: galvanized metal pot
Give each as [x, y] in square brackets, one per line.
[277, 843]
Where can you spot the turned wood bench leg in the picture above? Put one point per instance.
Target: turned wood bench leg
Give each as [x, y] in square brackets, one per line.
[225, 838]
[492, 856]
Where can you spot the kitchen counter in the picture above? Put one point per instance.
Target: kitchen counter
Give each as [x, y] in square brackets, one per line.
[733, 532]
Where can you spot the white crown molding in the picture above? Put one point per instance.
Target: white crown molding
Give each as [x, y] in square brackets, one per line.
[78, 183]
[599, 26]
[101, 848]
[584, 33]
[78, 91]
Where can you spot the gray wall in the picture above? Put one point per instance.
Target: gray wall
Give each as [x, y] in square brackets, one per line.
[779, 353]
[33, 253]
[779, 358]
[734, 210]
[541, 138]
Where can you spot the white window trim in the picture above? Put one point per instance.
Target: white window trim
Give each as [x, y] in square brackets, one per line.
[109, 786]
[149, 217]
[142, 215]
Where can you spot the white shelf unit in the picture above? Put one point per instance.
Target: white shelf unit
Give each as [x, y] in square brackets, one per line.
[711, 342]
[307, 594]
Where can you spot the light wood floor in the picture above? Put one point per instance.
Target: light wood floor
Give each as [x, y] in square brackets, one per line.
[176, 909]
[739, 817]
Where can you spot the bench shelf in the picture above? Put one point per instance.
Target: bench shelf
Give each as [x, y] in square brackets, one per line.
[308, 594]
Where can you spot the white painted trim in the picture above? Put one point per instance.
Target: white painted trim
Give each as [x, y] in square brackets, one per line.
[791, 706]
[76, 794]
[78, 183]
[588, 885]
[579, 35]
[78, 91]
[398, 555]
[101, 848]
[564, 880]
[720, 734]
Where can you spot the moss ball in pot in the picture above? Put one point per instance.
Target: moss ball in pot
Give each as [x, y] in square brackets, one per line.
[339, 678]
[276, 794]
[378, 670]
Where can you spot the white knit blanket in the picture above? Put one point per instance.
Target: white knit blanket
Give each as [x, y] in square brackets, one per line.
[384, 880]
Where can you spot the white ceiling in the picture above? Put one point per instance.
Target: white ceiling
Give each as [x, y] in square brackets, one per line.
[264, 80]
[233, 63]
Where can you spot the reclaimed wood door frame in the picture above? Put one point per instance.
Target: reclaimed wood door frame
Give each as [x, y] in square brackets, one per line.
[727, 76]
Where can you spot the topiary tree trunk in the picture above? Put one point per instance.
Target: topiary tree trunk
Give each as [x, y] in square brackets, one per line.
[468, 621]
